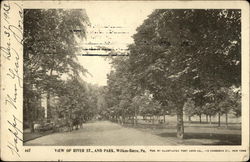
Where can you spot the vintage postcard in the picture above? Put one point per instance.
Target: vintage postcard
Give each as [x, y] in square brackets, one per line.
[124, 80]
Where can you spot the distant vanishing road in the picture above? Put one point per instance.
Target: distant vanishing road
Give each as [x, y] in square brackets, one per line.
[101, 133]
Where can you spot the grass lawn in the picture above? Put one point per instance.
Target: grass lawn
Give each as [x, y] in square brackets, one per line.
[195, 133]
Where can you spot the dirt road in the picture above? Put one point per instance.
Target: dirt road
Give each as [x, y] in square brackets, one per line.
[101, 133]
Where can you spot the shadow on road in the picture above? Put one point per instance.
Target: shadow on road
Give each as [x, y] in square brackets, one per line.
[223, 139]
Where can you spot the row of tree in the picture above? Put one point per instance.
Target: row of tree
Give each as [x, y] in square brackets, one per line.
[179, 58]
[228, 101]
[51, 70]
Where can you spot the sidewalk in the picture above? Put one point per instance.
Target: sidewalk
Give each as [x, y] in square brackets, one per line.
[27, 135]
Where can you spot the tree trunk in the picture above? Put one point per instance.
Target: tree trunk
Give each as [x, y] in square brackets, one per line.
[31, 116]
[116, 119]
[48, 105]
[206, 118]
[31, 120]
[164, 117]
[180, 125]
[122, 119]
[189, 119]
[219, 119]
[123, 116]
[200, 118]
[49, 115]
[210, 121]
[153, 119]
[226, 120]
[31, 125]
[135, 117]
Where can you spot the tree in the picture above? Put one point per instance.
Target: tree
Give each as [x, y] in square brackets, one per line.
[230, 102]
[136, 105]
[177, 52]
[78, 101]
[234, 95]
[49, 49]
[210, 110]
[121, 89]
[189, 108]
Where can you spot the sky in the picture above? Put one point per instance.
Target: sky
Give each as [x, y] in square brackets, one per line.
[105, 19]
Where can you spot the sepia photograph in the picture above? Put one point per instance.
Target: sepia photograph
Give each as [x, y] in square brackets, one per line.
[124, 80]
[171, 78]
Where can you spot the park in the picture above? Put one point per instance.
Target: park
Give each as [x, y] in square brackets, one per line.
[177, 83]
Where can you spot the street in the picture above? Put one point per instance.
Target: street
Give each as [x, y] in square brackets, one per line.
[101, 133]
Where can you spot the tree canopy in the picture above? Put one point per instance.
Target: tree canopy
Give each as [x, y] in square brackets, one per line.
[182, 54]
[50, 47]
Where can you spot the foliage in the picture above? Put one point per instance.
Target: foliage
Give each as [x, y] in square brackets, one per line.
[76, 101]
[50, 45]
[49, 51]
[187, 48]
[189, 107]
[180, 56]
[180, 52]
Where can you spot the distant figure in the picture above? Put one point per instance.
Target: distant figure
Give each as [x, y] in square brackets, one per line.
[70, 125]
[76, 123]
[37, 127]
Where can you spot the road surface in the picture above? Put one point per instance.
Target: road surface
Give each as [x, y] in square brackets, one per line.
[101, 133]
